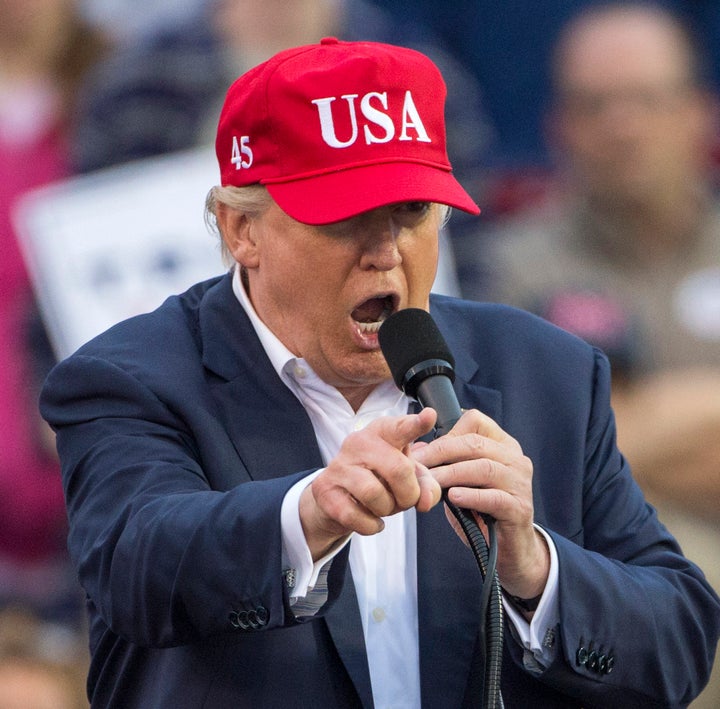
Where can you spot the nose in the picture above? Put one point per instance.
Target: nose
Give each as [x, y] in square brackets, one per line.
[380, 246]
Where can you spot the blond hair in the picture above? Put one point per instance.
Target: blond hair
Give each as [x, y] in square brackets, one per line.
[253, 200]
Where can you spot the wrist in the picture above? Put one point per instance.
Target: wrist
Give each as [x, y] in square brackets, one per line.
[526, 581]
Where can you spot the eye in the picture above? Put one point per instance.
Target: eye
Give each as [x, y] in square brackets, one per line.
[414, 207]
[411, 213]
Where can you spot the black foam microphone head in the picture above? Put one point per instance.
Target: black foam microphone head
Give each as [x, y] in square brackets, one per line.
[408, 338]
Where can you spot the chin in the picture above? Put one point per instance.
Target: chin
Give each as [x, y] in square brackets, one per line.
[368, 368]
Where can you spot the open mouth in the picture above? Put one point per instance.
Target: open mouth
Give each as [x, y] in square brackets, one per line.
[370, 314]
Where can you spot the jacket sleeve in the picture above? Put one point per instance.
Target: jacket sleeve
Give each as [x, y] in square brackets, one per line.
[639, 622]
[163, 557]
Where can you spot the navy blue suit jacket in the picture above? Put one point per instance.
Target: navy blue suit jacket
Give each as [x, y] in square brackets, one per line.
[178, 442]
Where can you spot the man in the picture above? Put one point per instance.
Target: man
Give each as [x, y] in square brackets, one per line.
[251, 516]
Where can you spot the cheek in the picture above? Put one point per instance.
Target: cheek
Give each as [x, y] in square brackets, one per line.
[312, 290]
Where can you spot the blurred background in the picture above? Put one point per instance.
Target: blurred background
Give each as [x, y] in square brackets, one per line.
[587, 132]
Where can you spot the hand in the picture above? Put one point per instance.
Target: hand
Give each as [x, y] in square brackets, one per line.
[374, 475]
[484, 470]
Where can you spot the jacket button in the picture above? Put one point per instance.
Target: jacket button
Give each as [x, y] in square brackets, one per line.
[262, 615]
[592, 661]
[233, 618]
[581, 656]
[610, 664]
[253, 619]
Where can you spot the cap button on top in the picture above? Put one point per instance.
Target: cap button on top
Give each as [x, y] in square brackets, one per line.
[329, 40]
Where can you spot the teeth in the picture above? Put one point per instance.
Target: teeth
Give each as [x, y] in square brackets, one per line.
[370, 327]
[373, 327]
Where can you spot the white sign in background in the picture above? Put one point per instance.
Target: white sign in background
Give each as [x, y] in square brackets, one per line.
[117, 242]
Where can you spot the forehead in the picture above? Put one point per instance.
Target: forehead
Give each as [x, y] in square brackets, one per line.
[623, 46]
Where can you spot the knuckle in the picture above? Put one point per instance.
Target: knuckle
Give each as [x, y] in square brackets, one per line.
[328, 499]
[370, 492]
[496, 501]
[473, 417]
[321, 488]
[399, 468]
[476, 444]
[440, 447]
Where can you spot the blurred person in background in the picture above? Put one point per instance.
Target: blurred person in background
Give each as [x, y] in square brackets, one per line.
[625, 252]
[163, 92]
[45, 49]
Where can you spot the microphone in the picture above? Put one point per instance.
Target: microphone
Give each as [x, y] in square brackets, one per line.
[421, 363]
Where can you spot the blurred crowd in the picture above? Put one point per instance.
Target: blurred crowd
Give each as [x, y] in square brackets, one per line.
[47, 49]
[587, 131]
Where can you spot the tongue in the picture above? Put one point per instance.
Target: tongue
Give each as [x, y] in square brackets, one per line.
[369, 311]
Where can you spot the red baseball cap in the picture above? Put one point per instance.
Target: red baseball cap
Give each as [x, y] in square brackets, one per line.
[339, 128]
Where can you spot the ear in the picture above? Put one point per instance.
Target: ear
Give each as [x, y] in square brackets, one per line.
[237, 232]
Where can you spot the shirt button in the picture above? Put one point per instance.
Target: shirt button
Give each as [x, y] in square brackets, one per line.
[299, 371]
[378, 614]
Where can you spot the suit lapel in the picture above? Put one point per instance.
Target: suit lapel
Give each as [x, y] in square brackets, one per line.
[268, 426]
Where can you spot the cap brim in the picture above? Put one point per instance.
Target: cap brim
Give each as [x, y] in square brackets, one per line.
[335, 196]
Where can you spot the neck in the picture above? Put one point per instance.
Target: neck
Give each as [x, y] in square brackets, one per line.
[356, 396]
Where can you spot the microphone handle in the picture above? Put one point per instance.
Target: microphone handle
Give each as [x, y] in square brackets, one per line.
[437, 392]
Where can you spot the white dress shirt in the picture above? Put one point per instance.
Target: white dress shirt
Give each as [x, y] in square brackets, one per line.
[384, 565]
